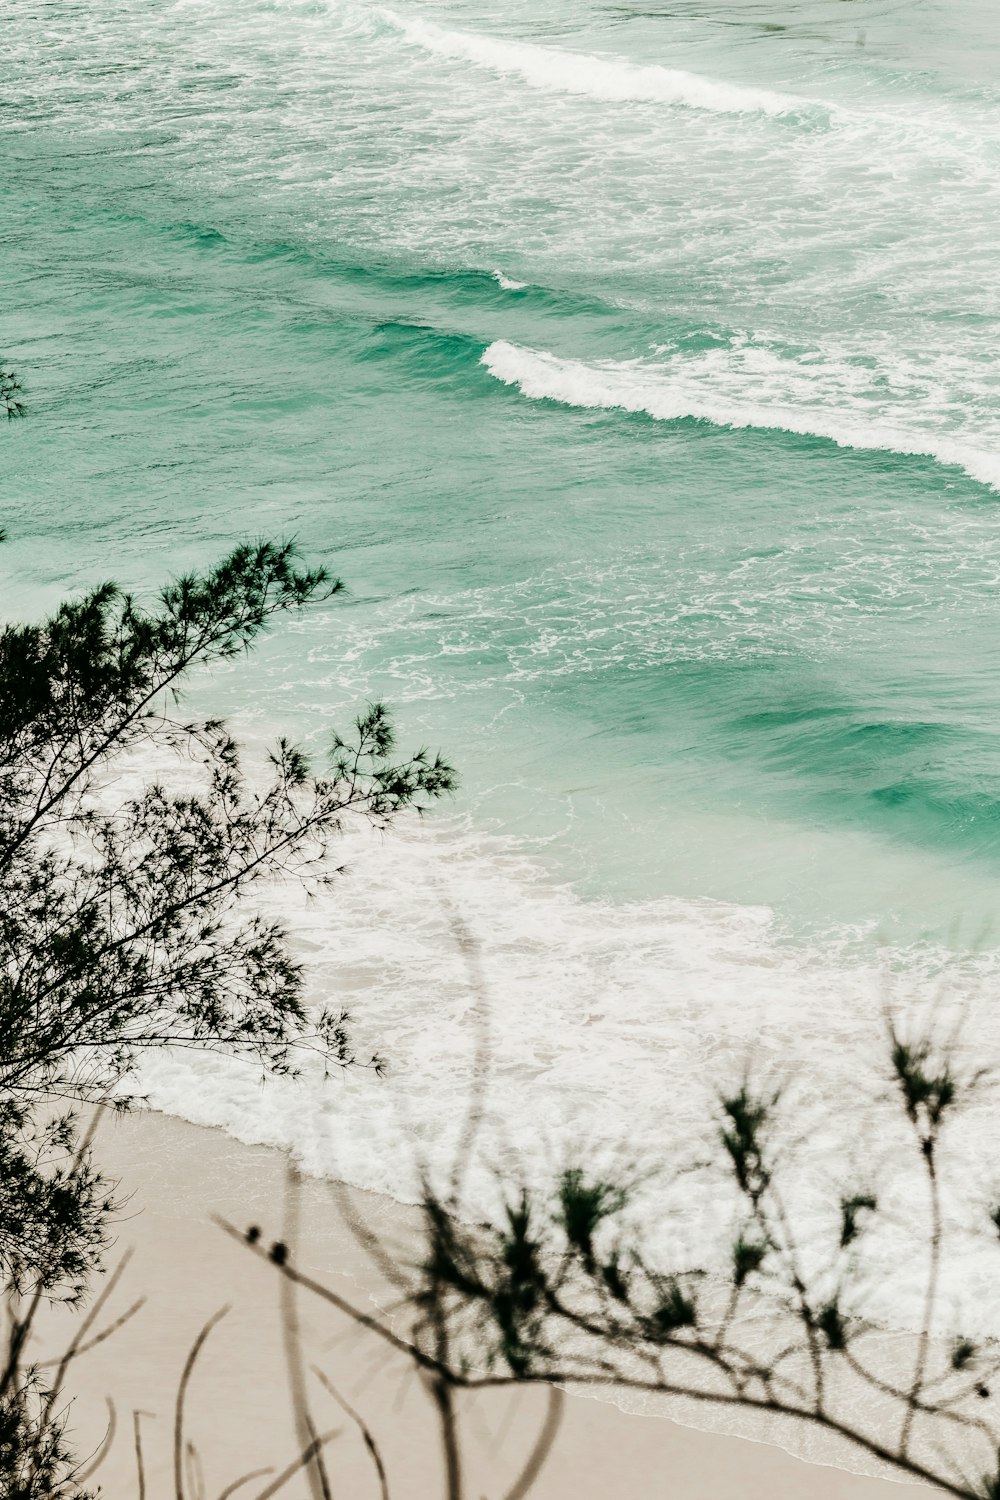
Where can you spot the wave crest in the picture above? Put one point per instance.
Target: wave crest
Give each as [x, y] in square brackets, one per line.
[673, 392]
[607, 78]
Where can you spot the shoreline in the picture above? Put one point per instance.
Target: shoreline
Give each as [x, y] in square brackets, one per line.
[240, 1417]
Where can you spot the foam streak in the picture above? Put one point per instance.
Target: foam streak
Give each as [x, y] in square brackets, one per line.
[607, 78]
[668, 395]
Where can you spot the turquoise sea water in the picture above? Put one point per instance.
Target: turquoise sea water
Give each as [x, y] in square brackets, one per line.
[636, 367]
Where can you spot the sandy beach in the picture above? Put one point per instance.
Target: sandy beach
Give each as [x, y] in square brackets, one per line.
[499, 625]
[238, 1414]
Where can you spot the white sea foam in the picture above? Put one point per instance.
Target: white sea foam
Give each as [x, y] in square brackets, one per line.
[608, 78]
[752, 390]
[609, 1026]
[507, 283]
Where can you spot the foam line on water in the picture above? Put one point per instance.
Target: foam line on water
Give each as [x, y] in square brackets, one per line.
[672, 392]
[610, 1027]
[608, 78]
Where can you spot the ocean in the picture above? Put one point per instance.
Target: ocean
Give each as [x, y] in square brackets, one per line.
[635, 366]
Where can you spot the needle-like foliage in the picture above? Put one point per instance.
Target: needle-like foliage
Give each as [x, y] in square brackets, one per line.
[126, 921]
[127, 911]
[10, 395]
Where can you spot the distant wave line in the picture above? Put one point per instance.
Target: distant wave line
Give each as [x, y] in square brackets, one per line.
[607, 78]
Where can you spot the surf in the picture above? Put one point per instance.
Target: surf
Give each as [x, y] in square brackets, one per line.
[553, 70]
[668, 393]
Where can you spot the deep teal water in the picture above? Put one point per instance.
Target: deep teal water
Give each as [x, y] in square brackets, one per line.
[636, 367]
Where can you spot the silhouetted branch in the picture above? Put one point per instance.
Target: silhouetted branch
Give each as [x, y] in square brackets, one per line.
[361, 1424]
[10, 396]
[140, 1466]
[82, 1475]
[316, 1474]
[182, 1387]
[238, 1484]
[303, 1461]
[542, 1448]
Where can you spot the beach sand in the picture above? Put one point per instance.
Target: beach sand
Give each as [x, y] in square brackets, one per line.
[238, 1413]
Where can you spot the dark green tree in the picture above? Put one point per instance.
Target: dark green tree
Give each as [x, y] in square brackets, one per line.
[128, 921]
[10, 395]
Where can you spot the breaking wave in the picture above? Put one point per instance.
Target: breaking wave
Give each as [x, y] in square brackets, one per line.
[773, 400]
[607, 78]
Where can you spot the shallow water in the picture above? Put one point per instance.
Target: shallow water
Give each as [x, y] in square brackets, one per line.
[635, 366]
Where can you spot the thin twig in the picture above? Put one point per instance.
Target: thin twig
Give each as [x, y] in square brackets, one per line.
[316, 1475]
[189, 1365]
[140, 1466]
[930, 1300]
[80, 1349]
[82, 1475]
[542, 1448]
[304, 1458]
[244, 1479]
[360, 1422]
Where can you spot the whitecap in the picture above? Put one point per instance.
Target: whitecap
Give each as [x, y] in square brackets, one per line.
[762, 391]
[607, 78]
